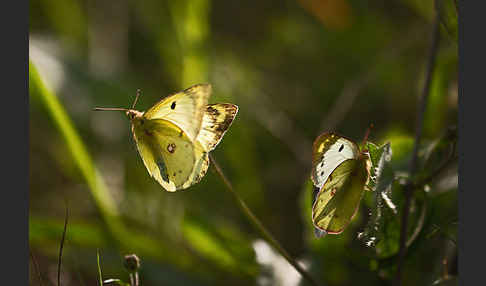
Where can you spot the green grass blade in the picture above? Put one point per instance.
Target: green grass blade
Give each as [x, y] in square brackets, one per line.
[100, 277]
[74, 142]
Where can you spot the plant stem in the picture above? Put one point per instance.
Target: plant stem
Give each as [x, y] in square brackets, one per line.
[59, 261]
[422, 104]
[100, 276]
[134, 281]
[36, 266]
[260, 227]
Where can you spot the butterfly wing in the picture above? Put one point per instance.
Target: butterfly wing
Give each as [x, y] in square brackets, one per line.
[216, 120]
[329, 151]
[167, 152]
[338, 200]
[318, 233]
[200, 167]
[185, 109]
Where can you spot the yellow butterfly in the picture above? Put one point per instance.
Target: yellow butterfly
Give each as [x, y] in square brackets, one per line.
[175, 135]
[340, 174]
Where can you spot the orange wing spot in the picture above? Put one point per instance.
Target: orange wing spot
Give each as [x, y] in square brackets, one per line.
[333, 192]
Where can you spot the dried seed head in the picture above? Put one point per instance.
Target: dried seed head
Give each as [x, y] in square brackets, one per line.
[131, 262]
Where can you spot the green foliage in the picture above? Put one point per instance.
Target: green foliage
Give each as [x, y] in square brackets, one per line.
[296, 70]
[74, 142]
[224, 246]
[383, 209]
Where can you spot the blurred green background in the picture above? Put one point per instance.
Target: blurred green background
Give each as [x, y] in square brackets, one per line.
[296, 69]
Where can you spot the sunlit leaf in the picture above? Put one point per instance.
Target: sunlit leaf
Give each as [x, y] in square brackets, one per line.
[383, 209]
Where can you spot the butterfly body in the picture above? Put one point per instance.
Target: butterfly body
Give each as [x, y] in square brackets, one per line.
[175, 135]
[340, 173]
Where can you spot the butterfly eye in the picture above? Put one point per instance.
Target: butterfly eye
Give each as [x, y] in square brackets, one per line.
[173, 105]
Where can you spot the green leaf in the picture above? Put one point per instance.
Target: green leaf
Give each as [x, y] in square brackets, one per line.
[378, 157]
[383, 209]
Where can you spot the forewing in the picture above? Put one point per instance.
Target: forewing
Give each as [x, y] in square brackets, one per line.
[338, 200]
[329, 151]
[216, 120]
[185, 109]
[166, 151]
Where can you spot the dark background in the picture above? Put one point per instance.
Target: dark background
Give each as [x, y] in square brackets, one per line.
[295, 69]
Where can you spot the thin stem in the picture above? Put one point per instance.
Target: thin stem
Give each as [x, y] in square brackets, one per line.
[132, 280]
[36, 266]
[365, 138]
[61, 248]
[422, 104]
[136, 279]
[259, 226]
[100, 276]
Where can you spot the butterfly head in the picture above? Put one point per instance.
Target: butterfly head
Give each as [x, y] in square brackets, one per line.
[134, 114]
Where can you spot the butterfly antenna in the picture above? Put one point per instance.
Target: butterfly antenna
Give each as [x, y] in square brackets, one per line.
[139, 91]
[367, 134]
[110, 109]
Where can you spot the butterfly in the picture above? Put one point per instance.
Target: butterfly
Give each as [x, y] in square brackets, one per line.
[175, 135]
[340, 174]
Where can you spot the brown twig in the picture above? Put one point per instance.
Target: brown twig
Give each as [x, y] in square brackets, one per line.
[61, 248]
[36, 266]
[260, 227]
[422, 104]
